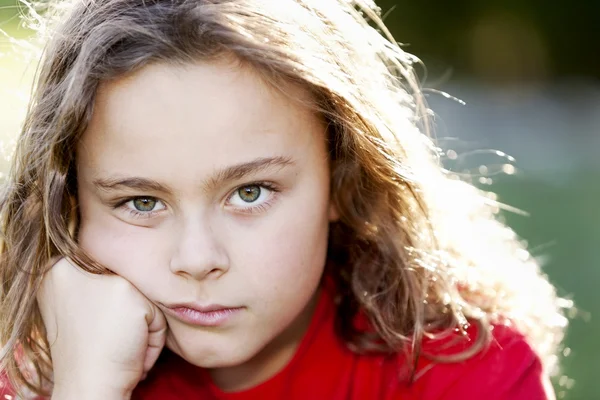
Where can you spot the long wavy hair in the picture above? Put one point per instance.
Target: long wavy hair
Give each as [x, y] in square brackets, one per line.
[415, 250]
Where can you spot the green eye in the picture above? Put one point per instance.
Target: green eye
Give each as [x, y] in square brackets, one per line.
[144, 204]
[249, 194]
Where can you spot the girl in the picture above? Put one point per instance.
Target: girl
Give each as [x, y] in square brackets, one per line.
[223, 199]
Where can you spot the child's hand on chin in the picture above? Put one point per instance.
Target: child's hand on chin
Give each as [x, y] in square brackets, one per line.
[104, 335]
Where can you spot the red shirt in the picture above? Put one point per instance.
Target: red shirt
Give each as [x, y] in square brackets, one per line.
[323, 368]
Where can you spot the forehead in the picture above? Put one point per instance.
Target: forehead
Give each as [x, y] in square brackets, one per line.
[195, 117]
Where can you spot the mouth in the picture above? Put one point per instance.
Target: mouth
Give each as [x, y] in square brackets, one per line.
[208, 316]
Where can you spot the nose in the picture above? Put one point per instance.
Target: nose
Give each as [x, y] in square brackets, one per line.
[198, 253]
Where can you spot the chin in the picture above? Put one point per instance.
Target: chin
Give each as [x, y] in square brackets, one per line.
[216, 355]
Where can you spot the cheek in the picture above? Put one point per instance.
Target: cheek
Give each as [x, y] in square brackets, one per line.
[299, 243]
[287, 253]
[132, 252]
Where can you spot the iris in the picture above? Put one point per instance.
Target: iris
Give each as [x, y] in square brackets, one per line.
[249, 194]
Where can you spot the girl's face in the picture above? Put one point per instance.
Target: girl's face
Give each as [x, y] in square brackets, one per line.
[204, 187]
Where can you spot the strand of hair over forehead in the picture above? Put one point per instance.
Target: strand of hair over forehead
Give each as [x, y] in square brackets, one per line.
[400, 74]
[42, 17]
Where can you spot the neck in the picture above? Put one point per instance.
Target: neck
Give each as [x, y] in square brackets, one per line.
[270, 360]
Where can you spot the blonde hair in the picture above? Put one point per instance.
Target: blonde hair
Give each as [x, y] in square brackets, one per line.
[417, 251]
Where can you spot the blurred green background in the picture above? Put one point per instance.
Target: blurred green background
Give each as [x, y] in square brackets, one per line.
[528, 71]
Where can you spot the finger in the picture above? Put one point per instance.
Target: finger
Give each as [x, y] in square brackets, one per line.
[157, 334]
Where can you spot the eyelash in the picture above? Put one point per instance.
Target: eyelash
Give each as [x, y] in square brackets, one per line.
[134, 213]
[271, 187]
[122, 204]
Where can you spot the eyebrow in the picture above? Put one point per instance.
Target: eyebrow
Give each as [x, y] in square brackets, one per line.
[231, 173]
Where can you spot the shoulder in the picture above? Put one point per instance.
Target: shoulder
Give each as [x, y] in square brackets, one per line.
[506, 368]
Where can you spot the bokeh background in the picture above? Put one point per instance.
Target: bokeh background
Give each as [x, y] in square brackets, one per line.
[527, 128]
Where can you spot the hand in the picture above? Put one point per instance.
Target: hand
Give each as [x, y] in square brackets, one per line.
[104, 334]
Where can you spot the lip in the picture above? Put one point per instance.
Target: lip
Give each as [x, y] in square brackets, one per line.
[209, 316]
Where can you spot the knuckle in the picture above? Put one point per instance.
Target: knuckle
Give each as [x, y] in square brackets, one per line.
[122, 288]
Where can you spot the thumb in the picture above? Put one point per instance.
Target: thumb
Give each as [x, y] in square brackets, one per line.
[157, 334]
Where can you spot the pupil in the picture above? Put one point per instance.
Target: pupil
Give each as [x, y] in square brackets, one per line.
[144, 204]
[249, 193]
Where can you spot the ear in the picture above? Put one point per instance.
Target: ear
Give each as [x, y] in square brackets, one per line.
[333, 214]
